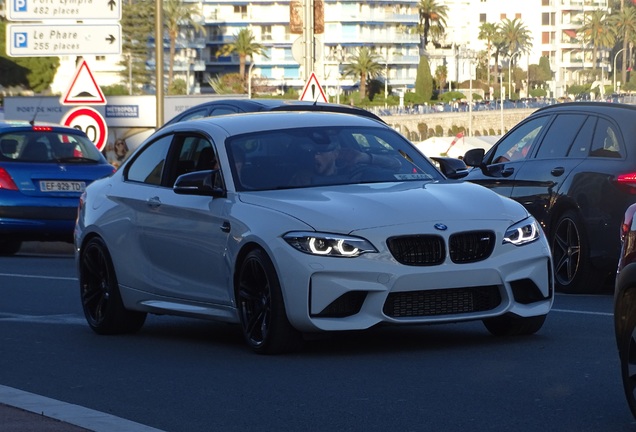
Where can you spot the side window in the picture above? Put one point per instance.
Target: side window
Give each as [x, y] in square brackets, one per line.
[195, 154]
[519, 142]
[148, 165]
[195, 115]
[583, 141]
[606, 140]
[222, 110]
[565, 128]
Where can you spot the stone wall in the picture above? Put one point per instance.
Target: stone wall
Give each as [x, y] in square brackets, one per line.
[419, 127]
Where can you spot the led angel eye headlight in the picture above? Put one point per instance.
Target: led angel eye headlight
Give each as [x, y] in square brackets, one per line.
[332, 245]
[523, 232]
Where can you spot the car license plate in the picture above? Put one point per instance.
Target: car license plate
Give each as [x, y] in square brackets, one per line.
[62, 186]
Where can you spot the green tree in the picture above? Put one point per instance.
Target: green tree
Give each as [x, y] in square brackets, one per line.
[433, 17]
[424, 80]
[624, 25]
[137, 27]
[488, 32]
[34, 73]
[365, 64]
[597, 32]
[441, 75]
[515, 37]
[178, 14]
[244, 45]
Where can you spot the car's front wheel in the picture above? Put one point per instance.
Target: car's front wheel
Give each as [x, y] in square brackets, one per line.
[514, 325]
[573, 270]
[99, 291]
[627, 347]
[9, 247]
[261, 307]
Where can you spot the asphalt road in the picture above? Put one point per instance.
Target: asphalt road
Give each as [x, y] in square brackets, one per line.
[187, 375]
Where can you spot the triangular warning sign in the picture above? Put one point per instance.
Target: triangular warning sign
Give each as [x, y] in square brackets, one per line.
[83, 89]
[313, 90]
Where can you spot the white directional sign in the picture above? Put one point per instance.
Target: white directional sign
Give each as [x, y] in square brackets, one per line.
[45, 40]
[35, 10]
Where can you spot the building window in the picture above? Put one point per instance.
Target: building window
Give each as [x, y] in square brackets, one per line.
[502, 16]
[241, 10]
[545, 19]
[518, 16]
[266, 32]
[482, 18]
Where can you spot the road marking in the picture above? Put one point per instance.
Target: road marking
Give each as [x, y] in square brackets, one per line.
[74, 414]
[43, 319]
[38, 277]
[583, 312]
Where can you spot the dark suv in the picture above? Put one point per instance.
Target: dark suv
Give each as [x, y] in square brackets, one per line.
[573, 166]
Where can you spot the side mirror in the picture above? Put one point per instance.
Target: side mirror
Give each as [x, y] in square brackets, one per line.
[199, 183]
[451, 167]
[474, 157]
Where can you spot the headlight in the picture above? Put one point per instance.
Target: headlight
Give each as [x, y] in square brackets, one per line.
[332, 245]
[523, 232]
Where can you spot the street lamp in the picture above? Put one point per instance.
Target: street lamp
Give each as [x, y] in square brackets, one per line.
[509, 70]
[249, 81]
[616, 55]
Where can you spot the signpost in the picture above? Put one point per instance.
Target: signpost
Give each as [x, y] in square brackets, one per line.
[45, 40]
[90, 121]
[38, 10]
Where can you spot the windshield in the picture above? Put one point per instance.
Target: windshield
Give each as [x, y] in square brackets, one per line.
[47, 147]
[296, 158]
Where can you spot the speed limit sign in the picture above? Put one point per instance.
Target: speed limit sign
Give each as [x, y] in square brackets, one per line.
[89, 121]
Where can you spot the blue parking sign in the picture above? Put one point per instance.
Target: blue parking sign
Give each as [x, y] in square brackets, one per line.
[20, 40]
[20, 5]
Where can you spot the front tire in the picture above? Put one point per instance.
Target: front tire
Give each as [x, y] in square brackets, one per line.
[99, 291]
[573, 270]
[627, 348]
[514, 325]
[9, 247]
[261, 308]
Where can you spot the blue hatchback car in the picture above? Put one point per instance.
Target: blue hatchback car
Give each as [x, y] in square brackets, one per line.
[43, 171]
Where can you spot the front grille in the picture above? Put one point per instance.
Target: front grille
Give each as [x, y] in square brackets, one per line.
[471, 246]
[441, 302]
[419, 250]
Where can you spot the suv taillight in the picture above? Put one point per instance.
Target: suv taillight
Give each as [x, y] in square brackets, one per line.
[6, 182]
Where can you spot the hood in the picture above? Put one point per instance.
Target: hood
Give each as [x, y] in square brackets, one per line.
[354, 207]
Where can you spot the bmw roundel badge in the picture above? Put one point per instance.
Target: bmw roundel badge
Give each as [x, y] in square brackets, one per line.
[440, 226]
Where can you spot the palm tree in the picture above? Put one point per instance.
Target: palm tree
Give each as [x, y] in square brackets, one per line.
[515, 37]
[366, 65]
[624, 25]
[178, 14]
[596, 31]
[432, 21]
[488, 32]
[244, 45]
[441, 75]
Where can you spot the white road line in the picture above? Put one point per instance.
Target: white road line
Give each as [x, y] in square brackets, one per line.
[583, 312]
[74, 414]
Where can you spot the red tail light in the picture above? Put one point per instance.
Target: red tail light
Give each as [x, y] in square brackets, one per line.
[627, 182]
[6, 182]
[42, 128]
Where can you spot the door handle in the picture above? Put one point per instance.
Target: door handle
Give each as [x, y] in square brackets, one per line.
[557, 171]
[153, 202]
[225, 227]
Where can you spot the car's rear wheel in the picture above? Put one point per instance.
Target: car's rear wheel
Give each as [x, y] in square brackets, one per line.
[514, 325]
[627, 348]
[261, 307]
[99, 291]
[9, 247]
[573, 271]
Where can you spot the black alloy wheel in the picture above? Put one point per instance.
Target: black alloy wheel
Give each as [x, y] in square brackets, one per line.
[573, 270]
[261, 308]
[99, 291]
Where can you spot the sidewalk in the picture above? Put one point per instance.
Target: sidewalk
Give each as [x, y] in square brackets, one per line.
[14, 419]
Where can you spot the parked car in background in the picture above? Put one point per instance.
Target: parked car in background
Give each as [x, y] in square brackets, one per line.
[43, 171]
[573, 166]
[293, 223]
[625, 306]
[232, 106]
